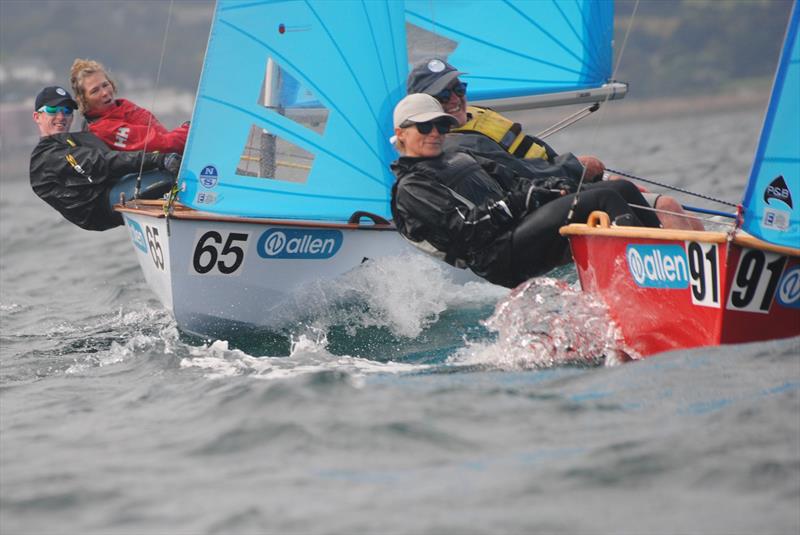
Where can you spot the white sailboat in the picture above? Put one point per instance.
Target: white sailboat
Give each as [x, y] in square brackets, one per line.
[285, 179]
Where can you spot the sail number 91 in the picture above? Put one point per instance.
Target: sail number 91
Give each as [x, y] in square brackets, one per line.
[756, 280]
[219, 252]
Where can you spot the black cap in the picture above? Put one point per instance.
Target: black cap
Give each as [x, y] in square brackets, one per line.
[54, 96]
[431, 76]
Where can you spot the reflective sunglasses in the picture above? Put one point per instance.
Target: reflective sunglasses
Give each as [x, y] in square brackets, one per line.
[53, 110]
[460, 89]
[427, 127]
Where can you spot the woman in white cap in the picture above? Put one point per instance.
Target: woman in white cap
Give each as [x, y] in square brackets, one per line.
[474, 212]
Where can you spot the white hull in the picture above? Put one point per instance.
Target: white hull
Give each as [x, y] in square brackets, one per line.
[218, 276]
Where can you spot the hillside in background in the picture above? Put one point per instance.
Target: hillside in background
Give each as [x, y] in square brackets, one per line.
[700, 46]
[675, 47]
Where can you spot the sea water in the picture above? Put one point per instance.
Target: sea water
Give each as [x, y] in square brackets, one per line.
[393, 402]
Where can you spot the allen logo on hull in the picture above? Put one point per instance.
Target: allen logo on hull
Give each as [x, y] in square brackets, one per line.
[315, 244]
[137, 235]
[658, 266]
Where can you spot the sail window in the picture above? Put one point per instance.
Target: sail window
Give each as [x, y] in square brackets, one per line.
[423, 44]
[267, 154]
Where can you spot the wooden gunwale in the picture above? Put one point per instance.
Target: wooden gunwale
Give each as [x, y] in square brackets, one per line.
[155, 208]
[598, 226]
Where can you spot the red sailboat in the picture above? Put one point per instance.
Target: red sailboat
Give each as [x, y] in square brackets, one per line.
[670, 289]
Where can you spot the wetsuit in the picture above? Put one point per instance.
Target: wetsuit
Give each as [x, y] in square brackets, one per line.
[127, 126]
[74, 173]
[477, 213]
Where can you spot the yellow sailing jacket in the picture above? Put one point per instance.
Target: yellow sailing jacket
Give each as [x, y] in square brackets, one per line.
[505, 132]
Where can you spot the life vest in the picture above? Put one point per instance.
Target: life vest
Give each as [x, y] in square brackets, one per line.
[504, 132]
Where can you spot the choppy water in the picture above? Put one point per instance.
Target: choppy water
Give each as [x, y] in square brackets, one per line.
[401, 404]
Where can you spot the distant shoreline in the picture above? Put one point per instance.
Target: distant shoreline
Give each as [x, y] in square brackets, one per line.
[629, 109]
[661, 107]
[632, 109]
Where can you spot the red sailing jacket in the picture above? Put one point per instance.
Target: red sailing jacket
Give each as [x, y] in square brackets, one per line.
[125, 127]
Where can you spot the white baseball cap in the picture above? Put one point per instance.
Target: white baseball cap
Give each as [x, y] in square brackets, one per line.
[419, 108]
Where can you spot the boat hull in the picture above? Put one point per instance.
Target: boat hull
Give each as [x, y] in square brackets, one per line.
[220, 276]
[671, 290]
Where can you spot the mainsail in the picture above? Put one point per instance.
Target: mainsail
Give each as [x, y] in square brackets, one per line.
[513, 52]
[293, 111]
[772, 200]
[346, 54]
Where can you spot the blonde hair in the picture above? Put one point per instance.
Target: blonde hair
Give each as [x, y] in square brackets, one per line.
[81, 68]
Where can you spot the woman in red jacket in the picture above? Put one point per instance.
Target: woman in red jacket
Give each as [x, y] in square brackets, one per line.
[120, 123]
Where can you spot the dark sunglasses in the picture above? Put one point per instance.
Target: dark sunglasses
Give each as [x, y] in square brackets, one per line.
[427, 127]
[460, 89]
[53, 110]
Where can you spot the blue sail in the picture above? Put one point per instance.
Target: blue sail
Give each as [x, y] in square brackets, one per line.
[347, 57]
[511, 49]
[772, 200]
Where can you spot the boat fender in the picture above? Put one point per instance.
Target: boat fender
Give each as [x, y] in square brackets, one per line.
[503, 131]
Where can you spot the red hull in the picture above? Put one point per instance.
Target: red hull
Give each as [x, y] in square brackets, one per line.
[673, 293]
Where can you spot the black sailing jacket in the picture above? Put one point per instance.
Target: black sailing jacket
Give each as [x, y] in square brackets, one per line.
[566, 165]
[80, 191]
[466, 207]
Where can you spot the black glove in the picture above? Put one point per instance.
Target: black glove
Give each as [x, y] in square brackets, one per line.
[531, 198]
[170, 162]
[558, 183]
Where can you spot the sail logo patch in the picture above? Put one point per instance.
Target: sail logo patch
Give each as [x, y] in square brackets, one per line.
[778, 189]
[206, 197]
[137, 235]
[776, 219]
[788, 293]
[306, 244]
[209, 176]
[658, 266]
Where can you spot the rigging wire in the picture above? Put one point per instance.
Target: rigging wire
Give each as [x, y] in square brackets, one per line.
[603, 108]
[138, 187]
[668, 186]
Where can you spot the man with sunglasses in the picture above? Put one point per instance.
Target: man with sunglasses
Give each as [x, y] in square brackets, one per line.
[74, 172]
[474, 212]
[494, 136]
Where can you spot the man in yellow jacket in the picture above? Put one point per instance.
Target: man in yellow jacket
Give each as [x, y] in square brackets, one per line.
[484, 131]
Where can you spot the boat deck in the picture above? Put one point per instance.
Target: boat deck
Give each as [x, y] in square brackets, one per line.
[156, 209]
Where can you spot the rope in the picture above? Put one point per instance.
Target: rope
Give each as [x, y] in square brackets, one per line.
[138, 187]
[676, 188]
[687, 216]
[603, 108]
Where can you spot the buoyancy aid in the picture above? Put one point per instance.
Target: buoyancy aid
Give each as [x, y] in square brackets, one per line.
[503, 131]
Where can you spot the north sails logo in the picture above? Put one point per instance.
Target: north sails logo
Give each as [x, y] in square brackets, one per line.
[658, 266]
[778, 189]
[209, 176]
[299, 243]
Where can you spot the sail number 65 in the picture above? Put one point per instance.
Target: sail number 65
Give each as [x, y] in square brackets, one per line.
[213, 252]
